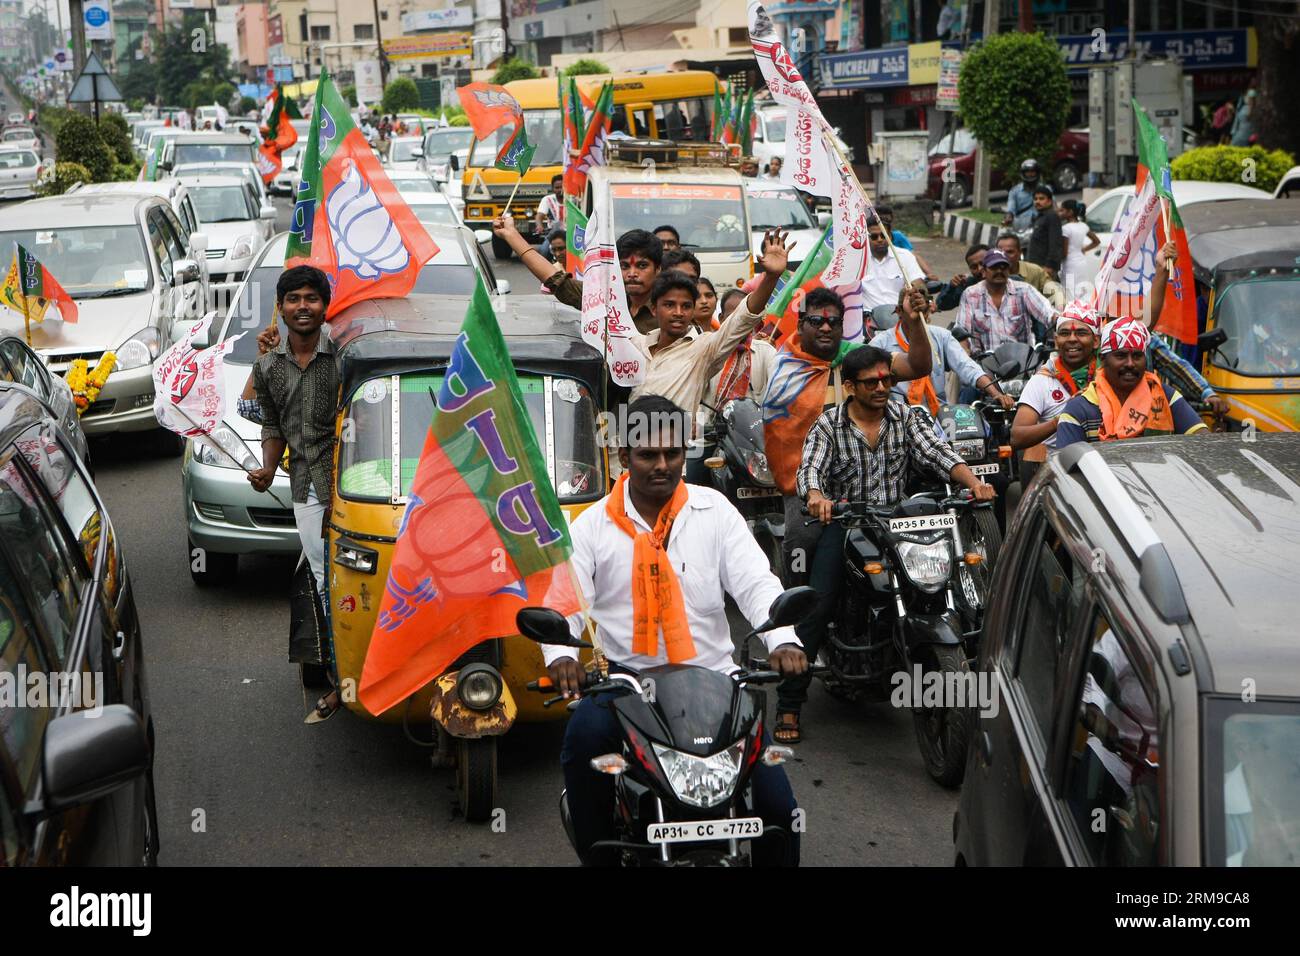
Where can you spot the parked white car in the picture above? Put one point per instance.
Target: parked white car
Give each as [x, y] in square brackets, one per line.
[1104, 214]
[440, 145]
[286, 180]
[405, 153]
[21, 137]
[769, 136]
[20, 170]
[244, 171]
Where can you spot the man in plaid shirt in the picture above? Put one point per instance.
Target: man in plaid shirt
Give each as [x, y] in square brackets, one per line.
[863, 450]
[998, 310]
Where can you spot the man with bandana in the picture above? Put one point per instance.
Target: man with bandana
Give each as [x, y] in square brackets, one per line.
[1125, 400]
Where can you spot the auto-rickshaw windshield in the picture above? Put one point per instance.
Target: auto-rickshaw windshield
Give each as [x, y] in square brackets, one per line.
[366, 458]
[1262, 320]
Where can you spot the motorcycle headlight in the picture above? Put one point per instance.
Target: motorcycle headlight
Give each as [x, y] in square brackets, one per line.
[1013, 387]
[243, 248]
[231, 445]
[971, 449]
[702, 781]
[927, 565]
[139, 350]
[756, 462]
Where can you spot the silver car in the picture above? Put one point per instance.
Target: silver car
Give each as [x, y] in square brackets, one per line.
[21, 365]
[20, 171]
[121, 257]
[225, 517]
[23, 137]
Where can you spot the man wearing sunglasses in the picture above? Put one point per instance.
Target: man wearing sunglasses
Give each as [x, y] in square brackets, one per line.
[866, 449]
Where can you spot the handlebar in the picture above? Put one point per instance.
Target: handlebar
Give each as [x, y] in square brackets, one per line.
[864, 509]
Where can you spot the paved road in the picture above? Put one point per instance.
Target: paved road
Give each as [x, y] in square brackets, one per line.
[241, 780]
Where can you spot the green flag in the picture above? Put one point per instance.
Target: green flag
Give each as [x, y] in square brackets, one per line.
[1153, 153]
[575, 234]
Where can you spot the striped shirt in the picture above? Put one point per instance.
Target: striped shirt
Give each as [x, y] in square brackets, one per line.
[838, 462]
[989, 326]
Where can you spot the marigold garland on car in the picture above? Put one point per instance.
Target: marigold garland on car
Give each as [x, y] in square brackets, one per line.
[85, 383]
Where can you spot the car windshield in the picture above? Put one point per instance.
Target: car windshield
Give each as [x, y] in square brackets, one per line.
[1253, 750]
[439, 214]
[366, 462]
[87, 261]
[214, 153]
[17, 160]
[774, 127]
[16, 134]
[778, 208]
[222, 204]
[415, 185]
[1262, 320]
[708, 218]
[402, 150]
[441, 143]
[544, 132]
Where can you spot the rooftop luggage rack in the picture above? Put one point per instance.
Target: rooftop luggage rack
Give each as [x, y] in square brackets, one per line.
[664, 152]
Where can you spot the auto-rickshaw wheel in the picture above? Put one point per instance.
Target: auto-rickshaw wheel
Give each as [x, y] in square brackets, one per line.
[476, 778]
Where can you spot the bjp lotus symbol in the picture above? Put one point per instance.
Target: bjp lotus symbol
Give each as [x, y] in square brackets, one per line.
[365, 239]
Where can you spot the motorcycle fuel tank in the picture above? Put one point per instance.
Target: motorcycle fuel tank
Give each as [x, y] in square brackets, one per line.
[692, 709]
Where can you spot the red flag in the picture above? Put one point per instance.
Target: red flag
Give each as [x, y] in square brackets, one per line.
[349, 219]
[1178, 314]
[269, 163]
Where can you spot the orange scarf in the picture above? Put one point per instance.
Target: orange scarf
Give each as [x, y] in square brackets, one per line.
[656, 593]
[1146, 412]
[921, 389]
[796, 394]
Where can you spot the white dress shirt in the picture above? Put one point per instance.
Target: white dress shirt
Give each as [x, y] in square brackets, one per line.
[712, 553]
[884, 279]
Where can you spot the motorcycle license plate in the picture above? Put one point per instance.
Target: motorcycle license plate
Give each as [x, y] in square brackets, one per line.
[985, 469]
[757, 493]
[741, 828]
[922, 523]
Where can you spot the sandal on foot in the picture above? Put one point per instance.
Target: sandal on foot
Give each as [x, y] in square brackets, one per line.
[324, 709]
[787, 728]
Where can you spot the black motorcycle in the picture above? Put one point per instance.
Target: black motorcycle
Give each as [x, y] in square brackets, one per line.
[691, 738]
[905, 620]
[739, 469]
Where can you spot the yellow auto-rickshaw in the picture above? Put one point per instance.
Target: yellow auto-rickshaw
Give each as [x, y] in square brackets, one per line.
[1247, 253]
[391, 356]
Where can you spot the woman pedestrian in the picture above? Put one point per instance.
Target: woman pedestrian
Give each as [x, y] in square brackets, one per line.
[706, 306]
[1079, 239]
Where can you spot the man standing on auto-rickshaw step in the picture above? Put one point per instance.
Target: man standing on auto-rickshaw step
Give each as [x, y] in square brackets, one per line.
[297, 387]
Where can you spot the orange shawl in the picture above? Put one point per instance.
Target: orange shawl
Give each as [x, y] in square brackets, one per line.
[1146, 412]
[921, 389]
[656, 592]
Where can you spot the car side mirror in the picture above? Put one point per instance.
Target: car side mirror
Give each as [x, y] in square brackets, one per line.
[185, 270]
[546, 626]
[482, 235]
[204, 338]
[454, 162]
[503, 286]
[199, 241]
[823, 219]
[790, 607]
[267, 211]
[417, 153]
[88, 754]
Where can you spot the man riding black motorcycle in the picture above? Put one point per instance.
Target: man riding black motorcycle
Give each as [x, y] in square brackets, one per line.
[654, 558]
[863, 450]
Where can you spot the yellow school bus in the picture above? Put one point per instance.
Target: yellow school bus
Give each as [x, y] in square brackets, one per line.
[676, 106]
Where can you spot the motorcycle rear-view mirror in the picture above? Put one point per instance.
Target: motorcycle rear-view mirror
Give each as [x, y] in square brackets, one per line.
[790, 607]
[546, 626]
[1211, 340]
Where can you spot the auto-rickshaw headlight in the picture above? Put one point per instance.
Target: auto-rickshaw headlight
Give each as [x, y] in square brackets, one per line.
[479, 686]
[355, 556]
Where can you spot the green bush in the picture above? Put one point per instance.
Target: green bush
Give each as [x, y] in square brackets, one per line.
[222, 94]
[126, 172]
[247, 104]
[514, 69]
[400, 96]
[65, 175]
[350, 94]
[78, 141]
[114, 132]
[1015, 98]
[135, 104]
[585, 67]
[195, 94]
[50, 118]
[1251, 165]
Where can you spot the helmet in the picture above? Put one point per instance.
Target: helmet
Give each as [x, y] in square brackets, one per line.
[1029, 169]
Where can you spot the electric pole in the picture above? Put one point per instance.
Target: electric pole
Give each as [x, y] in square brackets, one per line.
[78, 25]
[379, 44]
[992, 11]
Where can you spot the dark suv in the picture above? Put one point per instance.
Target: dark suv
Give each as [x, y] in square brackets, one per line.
[76, 739]
[1143, 640]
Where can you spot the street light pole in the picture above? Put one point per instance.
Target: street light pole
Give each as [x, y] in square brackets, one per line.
[992, 11]
[379, 45]
[78, 24]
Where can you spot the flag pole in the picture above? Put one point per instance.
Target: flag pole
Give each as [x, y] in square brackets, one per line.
[509, 201]
[247, 471]
[826, 138]
[1164, 217]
